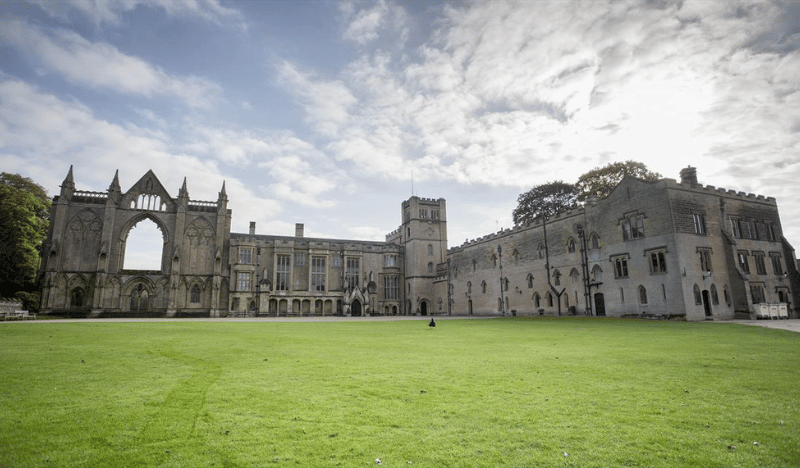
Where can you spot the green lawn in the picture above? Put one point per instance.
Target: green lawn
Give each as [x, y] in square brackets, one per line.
[469, 393]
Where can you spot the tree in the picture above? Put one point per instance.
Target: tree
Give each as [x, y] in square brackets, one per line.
[600, 181]
[24, 214]
[545, 200]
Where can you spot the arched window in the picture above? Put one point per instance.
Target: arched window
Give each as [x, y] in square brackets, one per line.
[597, 274]
[469, 287]
[595, 241]
[505, 284]
[574, 275]
[195, 296]
[76, 298]
[549, 299]
[474, 265]
[483, 287]
[557, 278]
[571, 245]
[714, 295]
[430, 249]
[530, 281]
[494, 260]
[430, 267]
[540, 251]
[698, 298]
[537, 301]
[139, 298]
[726, 294]
[642, 295]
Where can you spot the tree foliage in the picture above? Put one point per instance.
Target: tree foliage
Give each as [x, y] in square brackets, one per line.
[545, 200]
[24, 213]
[600, 181]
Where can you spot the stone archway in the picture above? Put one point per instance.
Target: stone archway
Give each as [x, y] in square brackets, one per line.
[355, 308]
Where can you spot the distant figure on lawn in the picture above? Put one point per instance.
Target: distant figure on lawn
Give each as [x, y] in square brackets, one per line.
[432, 324]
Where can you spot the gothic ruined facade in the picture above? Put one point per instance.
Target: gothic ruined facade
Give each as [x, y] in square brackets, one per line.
[83, 256]
[662, 248]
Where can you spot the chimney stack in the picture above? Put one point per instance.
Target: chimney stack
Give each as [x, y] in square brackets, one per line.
[689, 176]
[252, 228]
[298, 230]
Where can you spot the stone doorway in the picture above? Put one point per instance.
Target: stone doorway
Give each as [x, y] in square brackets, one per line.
[600, 305]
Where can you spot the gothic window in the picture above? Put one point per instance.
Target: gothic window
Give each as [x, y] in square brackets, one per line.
[699, 221]
[505, 284]
[139, 298]
[571, 245]
[430, 267]
[726, 294]
[549, 299]
[469, 287]
[574, 275]
[529, 279]
[770, 231]
[777, 268]
[391, 261]
[430, 249]
[540, 251]
[243, 281]
[698, 298]
[494, 260]
[353, 273]
[76, 298]
[595, 241]
[633, 227]
[245, 255]
[318, 274]
[758, 259]
[597, 274]
[757, 293]
[390, 288]
[736, 227]
[705, 259]
[658, 261]
[620, 266]
[195, 295]
[642, 295]
[474, 265]
[537, 301]
[483, 287]
[282, 272]
[557, 278]
[743, 263]
[714, 295]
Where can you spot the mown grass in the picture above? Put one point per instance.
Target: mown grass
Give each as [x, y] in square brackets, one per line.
[469, 393]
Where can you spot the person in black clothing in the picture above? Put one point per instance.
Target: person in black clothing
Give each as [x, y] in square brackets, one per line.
[432, 324]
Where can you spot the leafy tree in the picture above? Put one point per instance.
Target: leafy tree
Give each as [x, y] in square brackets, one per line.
[600, 181]
[545, 200]
[24, 213]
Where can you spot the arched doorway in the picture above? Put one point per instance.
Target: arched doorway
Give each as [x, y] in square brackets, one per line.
[600, 305]
[423, 308]
[706, 303]
[355, 308]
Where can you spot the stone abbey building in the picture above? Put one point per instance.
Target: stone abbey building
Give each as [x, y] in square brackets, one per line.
[663, 248]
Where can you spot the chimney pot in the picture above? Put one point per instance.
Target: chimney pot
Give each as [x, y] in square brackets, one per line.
[252, 228]
[689, 176]
[298, 230]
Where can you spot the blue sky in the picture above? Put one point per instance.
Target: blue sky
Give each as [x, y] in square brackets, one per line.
[323, 112]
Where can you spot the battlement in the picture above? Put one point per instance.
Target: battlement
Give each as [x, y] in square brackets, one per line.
[198, 205]
[85, 196]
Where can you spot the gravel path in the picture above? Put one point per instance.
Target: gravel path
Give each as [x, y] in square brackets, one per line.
[790, 324]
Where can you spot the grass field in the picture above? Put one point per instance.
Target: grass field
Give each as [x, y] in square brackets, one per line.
[469, 393]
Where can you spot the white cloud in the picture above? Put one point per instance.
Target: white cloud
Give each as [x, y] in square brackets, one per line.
[111, 11]
[365, 24]
[101, 65]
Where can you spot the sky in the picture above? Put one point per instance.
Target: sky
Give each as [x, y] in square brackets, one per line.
[331, 113]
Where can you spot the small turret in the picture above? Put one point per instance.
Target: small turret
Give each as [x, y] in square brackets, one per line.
[114, 190]
[68, 186]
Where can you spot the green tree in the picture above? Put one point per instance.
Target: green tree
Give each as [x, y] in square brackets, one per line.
[545, 200]
[600, 181]
[24, 214]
